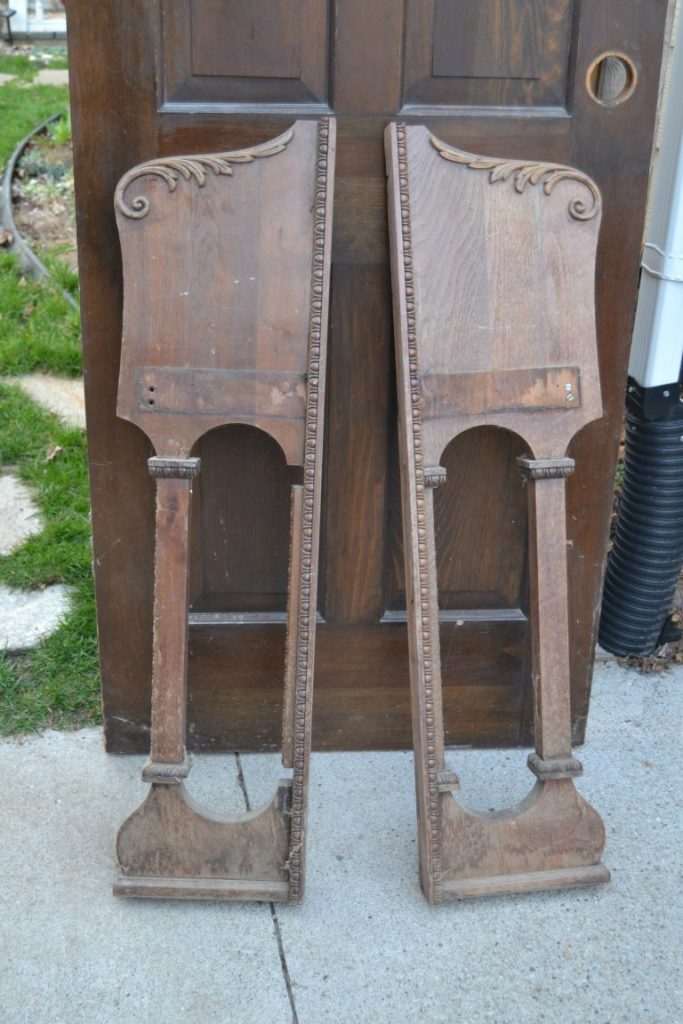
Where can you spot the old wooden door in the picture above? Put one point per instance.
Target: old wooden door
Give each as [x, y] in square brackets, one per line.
[504, 77]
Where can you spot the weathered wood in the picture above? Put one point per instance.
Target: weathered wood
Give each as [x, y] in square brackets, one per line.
[226, 271]
[131, 70]
[493, 271]
[171, 841]
[291, 653]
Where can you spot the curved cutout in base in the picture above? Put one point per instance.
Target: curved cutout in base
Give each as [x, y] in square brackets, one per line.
[170, 848]
[552, 839]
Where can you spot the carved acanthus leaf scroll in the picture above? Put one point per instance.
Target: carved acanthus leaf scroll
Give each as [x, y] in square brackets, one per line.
[527, 173]
[195, 167]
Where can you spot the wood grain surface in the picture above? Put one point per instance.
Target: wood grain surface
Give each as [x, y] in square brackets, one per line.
[226, 262]
[134, 98]
[493, 268]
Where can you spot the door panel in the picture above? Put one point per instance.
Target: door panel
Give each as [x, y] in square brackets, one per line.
[501, 77]
[493, 52]
[229, 51]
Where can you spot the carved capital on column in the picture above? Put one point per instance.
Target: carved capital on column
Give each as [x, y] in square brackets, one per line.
[178, 469]
[543, 469]
[167, 774]
[447, 780]
[435, 476]
[554, 767]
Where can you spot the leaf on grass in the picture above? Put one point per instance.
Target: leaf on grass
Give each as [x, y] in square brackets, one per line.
[54, 452]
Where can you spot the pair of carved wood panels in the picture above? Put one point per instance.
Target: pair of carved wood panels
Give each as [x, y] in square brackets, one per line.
[226, 270]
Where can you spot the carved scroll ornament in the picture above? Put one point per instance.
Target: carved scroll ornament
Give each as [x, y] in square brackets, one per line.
[171, 169]
[525, 173]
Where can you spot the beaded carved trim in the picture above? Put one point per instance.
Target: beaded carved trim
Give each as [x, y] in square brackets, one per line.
[423, 598]
[307, 568]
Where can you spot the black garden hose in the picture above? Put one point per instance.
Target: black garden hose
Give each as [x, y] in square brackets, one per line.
[646, 558]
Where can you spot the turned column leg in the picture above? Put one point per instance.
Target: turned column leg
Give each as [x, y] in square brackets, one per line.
[168, 760]
[549, 617]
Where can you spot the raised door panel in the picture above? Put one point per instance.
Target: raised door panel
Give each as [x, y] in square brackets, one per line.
[487, 53]
[227, 52]
[232, 39]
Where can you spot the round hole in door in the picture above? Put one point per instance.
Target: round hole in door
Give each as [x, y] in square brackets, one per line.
[611, 79]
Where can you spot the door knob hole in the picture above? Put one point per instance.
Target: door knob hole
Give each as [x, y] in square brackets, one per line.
[611, 79]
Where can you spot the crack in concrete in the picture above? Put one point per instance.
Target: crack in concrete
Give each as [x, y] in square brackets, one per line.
[273, 912]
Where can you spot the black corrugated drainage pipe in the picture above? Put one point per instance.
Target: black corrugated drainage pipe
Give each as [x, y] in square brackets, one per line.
[647, 555]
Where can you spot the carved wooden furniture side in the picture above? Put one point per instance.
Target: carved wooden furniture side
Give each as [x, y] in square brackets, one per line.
[226, 261]
[494, 280]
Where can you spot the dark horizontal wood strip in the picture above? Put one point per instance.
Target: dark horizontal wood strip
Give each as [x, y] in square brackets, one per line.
[191, 392]
[497, 391]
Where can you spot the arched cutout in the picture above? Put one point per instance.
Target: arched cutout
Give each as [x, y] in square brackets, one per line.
[214, 784]
[233, 785]
[483, 497]
[240, 523]
[491, 780]
[480, 522]
[481, 535]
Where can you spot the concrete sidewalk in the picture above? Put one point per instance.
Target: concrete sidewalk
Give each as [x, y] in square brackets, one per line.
[364, 948]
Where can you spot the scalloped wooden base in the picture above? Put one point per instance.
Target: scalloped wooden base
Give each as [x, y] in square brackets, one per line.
[170, 849]
[550, 840]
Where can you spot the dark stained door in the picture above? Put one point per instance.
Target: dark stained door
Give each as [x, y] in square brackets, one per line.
[567, 81]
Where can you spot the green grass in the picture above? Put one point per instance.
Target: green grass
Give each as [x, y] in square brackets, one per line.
[18, 64]
[23, 106]
[59, 132]
[26, 66]
[38, 329]
[57, 684]
[64, 276]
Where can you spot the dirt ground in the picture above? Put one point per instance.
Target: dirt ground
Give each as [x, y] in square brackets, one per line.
[44, 208]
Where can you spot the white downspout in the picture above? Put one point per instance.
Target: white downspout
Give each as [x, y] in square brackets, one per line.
[657, 348]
